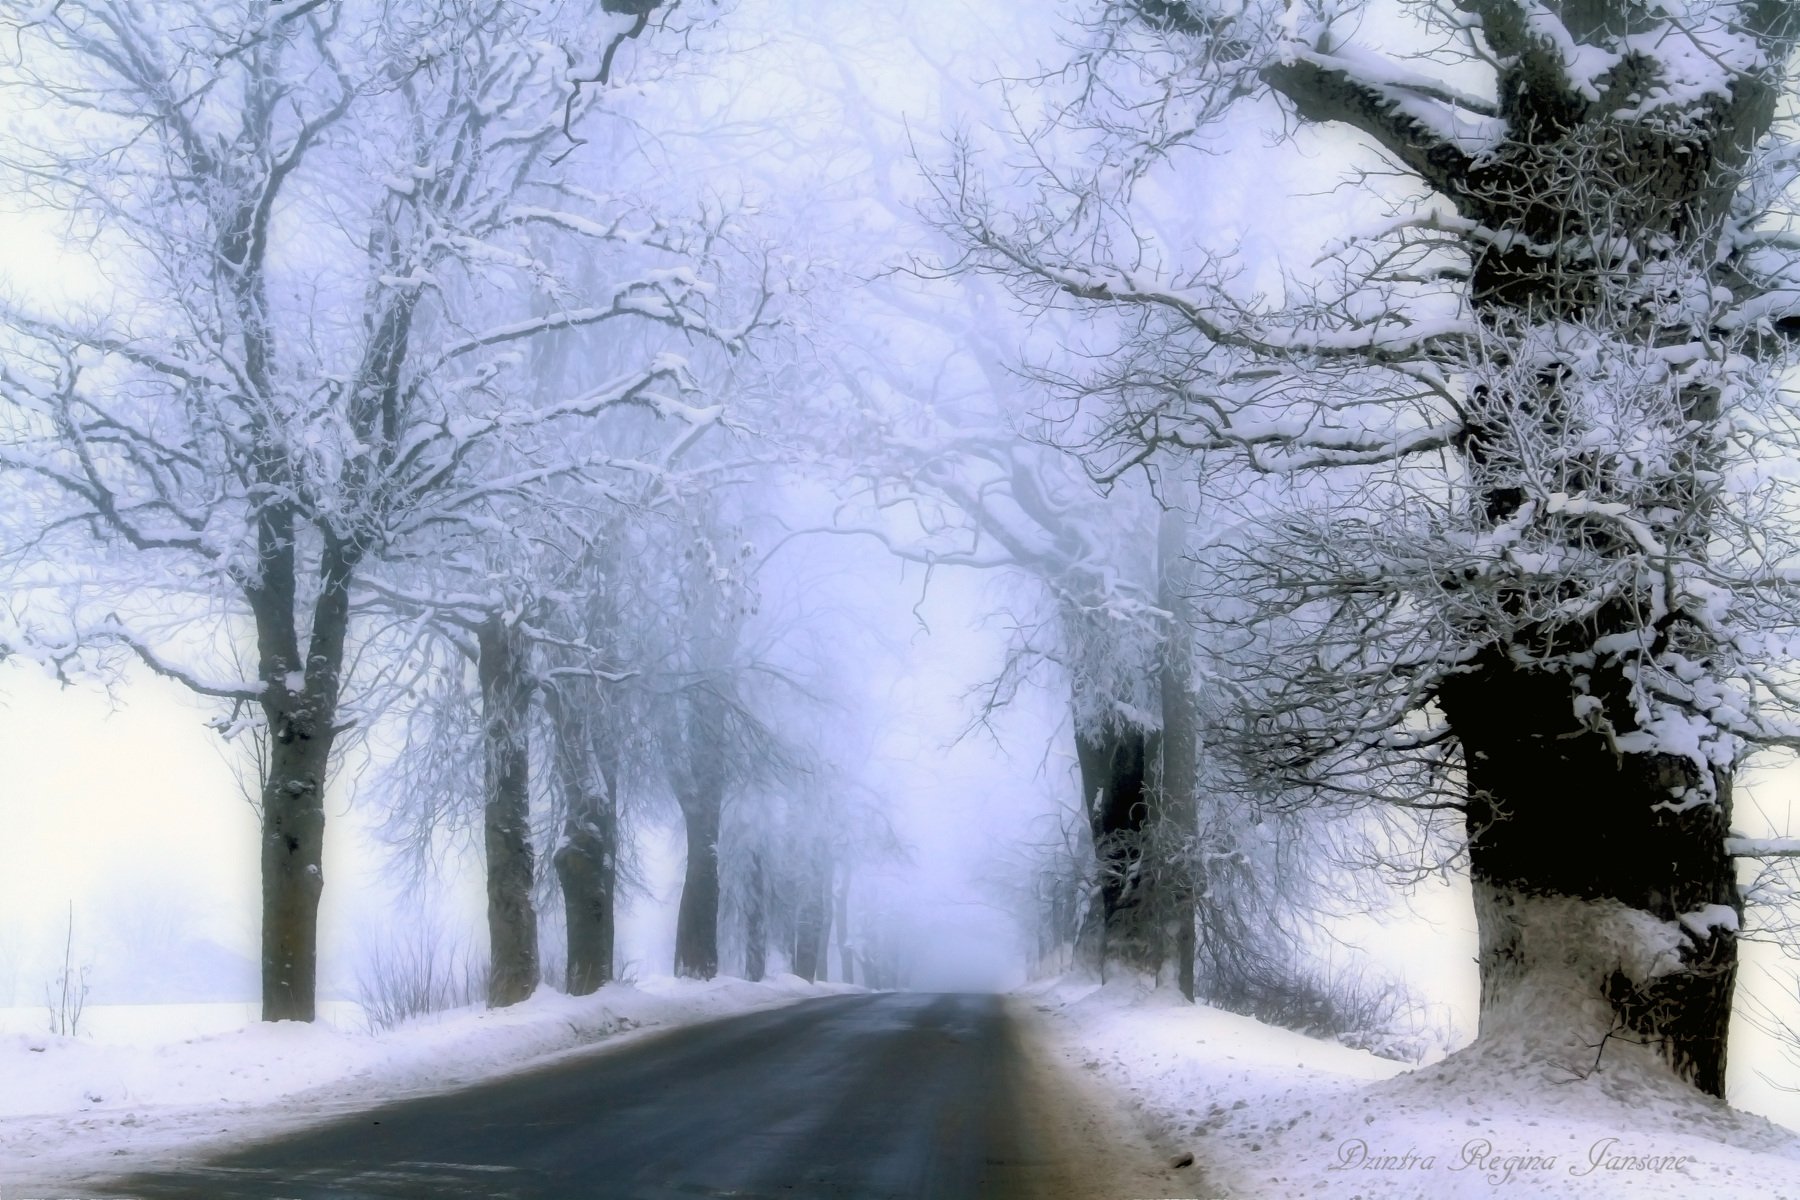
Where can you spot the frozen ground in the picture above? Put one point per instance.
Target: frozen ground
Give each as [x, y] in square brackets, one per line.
[1270, 1113]
[159, 1084]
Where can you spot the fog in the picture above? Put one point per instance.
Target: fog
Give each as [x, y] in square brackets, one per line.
[122, 807]
[930, 498]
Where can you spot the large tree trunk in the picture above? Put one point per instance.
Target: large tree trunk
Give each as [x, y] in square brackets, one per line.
[1114, 766]
[756, 923]
[1604, 910]
[293, 844]
[1179, 779]
[1598, 809]
[697, 921]
[587, 860]
[1597, 851]
[505, 679]
[300, 708]
[1597, 858]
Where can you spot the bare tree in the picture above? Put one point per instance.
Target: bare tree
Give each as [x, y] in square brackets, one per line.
[587, 737]
[1528, 556]
[223, 443]
[714, 738]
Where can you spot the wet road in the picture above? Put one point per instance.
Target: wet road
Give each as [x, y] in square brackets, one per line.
[864, 1097]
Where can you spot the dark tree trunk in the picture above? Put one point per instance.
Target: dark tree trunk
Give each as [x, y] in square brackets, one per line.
[300, 708]
[697, 921]
[756, 924]
[587, 860]
[584, 870]
[1115, 781]
[506, 688]
[699, 785]
[1573, 848]
[293, 843]
[822, 956]
[1584, 856]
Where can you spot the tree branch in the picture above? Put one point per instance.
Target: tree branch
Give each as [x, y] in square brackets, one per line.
[1414, 128]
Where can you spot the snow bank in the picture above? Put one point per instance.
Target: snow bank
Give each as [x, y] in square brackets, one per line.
[1271, 1113]
[72, 1107]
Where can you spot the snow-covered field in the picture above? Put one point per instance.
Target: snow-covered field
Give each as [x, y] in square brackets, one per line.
[1272, 1114]
[147, 1024]
[160, 1084]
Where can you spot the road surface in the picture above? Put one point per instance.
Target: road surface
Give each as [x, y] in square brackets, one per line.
[864, 1097]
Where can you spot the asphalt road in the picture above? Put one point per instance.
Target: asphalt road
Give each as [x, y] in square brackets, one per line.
[867, 1097]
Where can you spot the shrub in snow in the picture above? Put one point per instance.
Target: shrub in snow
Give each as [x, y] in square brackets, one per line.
[403, 978]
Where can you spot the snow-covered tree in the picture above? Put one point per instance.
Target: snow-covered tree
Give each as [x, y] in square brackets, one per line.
[321, 223]
[1534, 544]
[714, 733]
[590, 738]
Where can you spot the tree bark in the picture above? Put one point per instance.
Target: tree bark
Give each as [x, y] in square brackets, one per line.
[697, 921]
[1583, 874]
[293, 844]
[756, 923]
[505, 679]
[300, 710]
[1179, 780]
[587, 860]
[1114, 767]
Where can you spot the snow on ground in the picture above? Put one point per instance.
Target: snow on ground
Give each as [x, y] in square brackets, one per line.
[126, 1098]
[1270, 1113]
[146, 1024]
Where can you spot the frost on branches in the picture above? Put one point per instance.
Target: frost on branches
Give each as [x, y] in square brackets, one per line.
[1537, 554]
[331, 234]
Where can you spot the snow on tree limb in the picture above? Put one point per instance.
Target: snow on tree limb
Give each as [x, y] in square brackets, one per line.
[1741, 847]
[1420, 129]
[114, 631]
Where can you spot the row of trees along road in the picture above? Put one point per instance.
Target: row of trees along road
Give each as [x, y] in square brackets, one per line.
[1481, 520]
[304, 425]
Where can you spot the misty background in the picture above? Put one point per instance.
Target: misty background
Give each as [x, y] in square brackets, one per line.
[128, 836]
